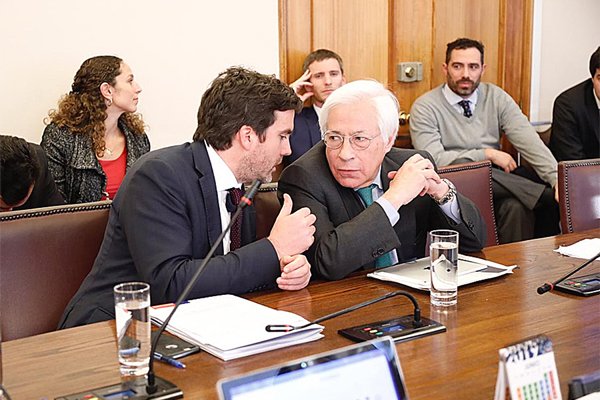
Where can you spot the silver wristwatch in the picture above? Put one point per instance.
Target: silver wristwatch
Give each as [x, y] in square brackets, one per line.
[451, 194]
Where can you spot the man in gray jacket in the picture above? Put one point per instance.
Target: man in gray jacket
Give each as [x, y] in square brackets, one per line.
[462, 121]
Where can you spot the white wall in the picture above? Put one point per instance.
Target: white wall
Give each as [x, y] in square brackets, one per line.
[175, 49]
[566, 33]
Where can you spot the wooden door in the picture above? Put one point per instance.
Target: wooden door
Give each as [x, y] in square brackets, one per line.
[373, 36]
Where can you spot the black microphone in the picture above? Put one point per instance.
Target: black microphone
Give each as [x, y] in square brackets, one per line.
[546, 287]
[245, 201]
[416, 313]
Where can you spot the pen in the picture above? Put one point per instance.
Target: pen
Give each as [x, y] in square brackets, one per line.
[169, 360]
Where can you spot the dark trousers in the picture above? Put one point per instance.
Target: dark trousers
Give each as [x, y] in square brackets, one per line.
[525, 209]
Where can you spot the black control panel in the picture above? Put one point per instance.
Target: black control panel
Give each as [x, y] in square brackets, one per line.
[587, 285]
[399, 329]
[129, 391]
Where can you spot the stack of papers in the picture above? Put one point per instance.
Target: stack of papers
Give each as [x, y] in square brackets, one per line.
[231, 327]
[415, 274]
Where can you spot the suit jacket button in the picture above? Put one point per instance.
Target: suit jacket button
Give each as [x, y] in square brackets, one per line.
[380, 252]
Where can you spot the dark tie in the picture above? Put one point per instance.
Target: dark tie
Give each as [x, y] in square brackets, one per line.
[233, 199]
[366, 194]
[466, 108]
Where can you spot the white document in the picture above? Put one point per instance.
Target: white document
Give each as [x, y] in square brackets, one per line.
[415, 274]
[586, 248]
[231, 327]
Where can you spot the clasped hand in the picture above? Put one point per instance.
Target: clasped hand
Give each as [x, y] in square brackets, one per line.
[292, 234]
[416, 177]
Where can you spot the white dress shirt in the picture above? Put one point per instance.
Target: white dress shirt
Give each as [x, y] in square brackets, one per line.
[225, 180]
[454, 99]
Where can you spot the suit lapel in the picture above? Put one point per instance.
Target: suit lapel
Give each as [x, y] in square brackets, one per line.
[206, 182]
[406, 227]
[248, 224]
[313, 127]
[592, 111]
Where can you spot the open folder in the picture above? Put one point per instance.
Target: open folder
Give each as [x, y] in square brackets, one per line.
[231, 327]
[415, 274]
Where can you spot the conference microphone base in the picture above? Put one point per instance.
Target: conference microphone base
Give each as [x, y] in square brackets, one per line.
[134, 390]
[399, 329]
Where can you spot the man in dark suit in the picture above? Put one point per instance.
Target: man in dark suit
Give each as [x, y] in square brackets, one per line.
[323, 73]
[576, 118]
[25, 179]
[374, 204]
[173, 204]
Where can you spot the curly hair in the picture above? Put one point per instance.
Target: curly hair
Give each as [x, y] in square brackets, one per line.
[83, 109]
[239, 97]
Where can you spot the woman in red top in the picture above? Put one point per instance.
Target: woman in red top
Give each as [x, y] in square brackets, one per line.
[95, 135]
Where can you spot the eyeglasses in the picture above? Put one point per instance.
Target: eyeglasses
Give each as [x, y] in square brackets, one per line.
[335, 141]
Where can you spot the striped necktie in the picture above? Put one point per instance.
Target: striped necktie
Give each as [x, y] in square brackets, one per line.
[465, 104]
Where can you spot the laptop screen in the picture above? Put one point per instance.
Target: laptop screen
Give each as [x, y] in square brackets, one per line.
[368, 370]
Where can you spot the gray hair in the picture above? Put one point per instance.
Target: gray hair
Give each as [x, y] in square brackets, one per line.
[384, 101]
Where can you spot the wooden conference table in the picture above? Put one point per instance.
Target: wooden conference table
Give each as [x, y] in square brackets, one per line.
[460, 363]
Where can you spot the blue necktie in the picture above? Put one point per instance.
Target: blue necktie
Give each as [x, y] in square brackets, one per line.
[366, 194]
[465, 104]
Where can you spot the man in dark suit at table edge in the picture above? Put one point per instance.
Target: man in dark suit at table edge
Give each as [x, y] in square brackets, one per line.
[173, 204]
[356, 158]
[576, 118]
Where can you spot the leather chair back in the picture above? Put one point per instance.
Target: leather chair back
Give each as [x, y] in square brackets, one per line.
[45, 254]
[267, 208]
[474, 181]
[579, 194]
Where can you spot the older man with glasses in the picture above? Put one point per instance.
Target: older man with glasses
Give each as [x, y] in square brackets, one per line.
[374, 204]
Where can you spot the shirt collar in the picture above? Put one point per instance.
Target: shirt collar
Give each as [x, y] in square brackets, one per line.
[377, 181]
[454, 99]
[224, 177]
[317, 110]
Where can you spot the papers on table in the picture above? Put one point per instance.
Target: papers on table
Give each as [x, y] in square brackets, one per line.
[231, 327]
[415, 274]
[586, 248]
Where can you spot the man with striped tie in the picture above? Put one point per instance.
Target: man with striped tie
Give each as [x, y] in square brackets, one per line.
[463, 119]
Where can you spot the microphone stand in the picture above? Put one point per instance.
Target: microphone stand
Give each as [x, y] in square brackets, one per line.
[546, 287]
[416, 314]
[246, 200]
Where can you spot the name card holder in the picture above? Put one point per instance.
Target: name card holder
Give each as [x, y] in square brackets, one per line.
[527, 371]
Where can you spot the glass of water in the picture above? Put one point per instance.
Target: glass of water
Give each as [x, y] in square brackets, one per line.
[132, 312]
[443, 253]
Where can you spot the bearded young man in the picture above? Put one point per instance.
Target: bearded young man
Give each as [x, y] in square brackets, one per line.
[174, 203]
[463, 119]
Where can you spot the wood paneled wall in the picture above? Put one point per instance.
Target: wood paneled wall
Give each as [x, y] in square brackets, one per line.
[374, 36]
